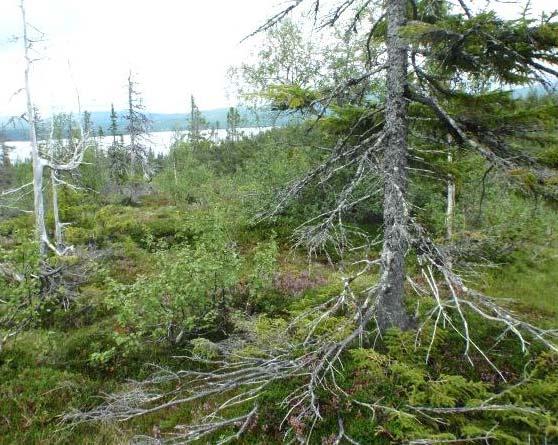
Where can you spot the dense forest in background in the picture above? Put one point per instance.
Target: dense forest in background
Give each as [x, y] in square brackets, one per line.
[380, 270]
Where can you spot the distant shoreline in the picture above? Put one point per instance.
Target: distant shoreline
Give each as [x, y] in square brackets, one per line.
[161, 122]
[161, 141]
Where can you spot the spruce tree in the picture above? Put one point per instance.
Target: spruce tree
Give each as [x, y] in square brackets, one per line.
[196, 123]
[5, 163]
[434, 57]
[87, 123]
[233, 124]
[138, 128]
[113, 127]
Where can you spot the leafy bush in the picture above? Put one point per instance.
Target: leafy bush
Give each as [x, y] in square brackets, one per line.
[258, 285]
[188, 294]
[19, 298]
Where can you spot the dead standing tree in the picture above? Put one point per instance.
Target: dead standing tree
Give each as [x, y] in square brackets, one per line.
[425, 49]
[40, 162]
[56, 149]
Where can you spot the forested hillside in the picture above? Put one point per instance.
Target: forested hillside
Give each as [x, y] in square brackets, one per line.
[382, 270]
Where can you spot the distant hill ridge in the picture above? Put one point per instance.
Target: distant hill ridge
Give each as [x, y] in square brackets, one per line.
[163, 121]
[214, 117]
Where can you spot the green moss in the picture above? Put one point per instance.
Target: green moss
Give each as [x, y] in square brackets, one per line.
[21, 224]
[33, 399]
[549, 157]
[530, 283]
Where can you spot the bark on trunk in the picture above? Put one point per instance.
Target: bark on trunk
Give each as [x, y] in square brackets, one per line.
[58, 236]
[391, 309]
[131, 124]
[38, 166]
[450, 198]
[175, 171]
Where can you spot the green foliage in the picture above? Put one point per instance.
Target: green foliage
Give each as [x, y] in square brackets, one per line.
[290, 97]
[17, 226]
[350, 119]
[549, 157]
[184, 174]
[481, 45]
[401, 385]
[204, 349]
[176, 279]
[188, 295]
[95, 171]
[20, 302]
[259, 281]
[529, 277]
[31, 406]
[114, 222]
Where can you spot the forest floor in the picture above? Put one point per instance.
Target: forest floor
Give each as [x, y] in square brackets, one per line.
[68, 360]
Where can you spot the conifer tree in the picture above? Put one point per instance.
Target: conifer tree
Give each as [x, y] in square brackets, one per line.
[138, 129]
[116, 153]
[5, 163]
[433, 54]
[196, 123]
[233, 124]
[113, 127]
[87, 122]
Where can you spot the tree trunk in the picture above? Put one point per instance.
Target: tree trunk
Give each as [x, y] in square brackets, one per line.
[38, 166]
[450, 209]
[131, 124]
[58, 237]
[175, 170]
[391, 310]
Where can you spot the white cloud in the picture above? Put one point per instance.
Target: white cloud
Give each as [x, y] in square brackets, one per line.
[177, 47]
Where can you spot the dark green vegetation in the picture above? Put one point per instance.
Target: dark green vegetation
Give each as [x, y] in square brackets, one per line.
[187, 267]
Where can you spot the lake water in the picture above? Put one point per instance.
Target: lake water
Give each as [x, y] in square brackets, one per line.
[160, 142]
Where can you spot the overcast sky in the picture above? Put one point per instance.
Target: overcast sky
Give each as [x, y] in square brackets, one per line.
[176, 47]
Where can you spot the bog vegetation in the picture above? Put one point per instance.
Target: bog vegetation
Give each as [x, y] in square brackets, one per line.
[383, 270]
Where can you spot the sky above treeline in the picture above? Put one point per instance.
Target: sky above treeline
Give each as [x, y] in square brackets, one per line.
[175, 47]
